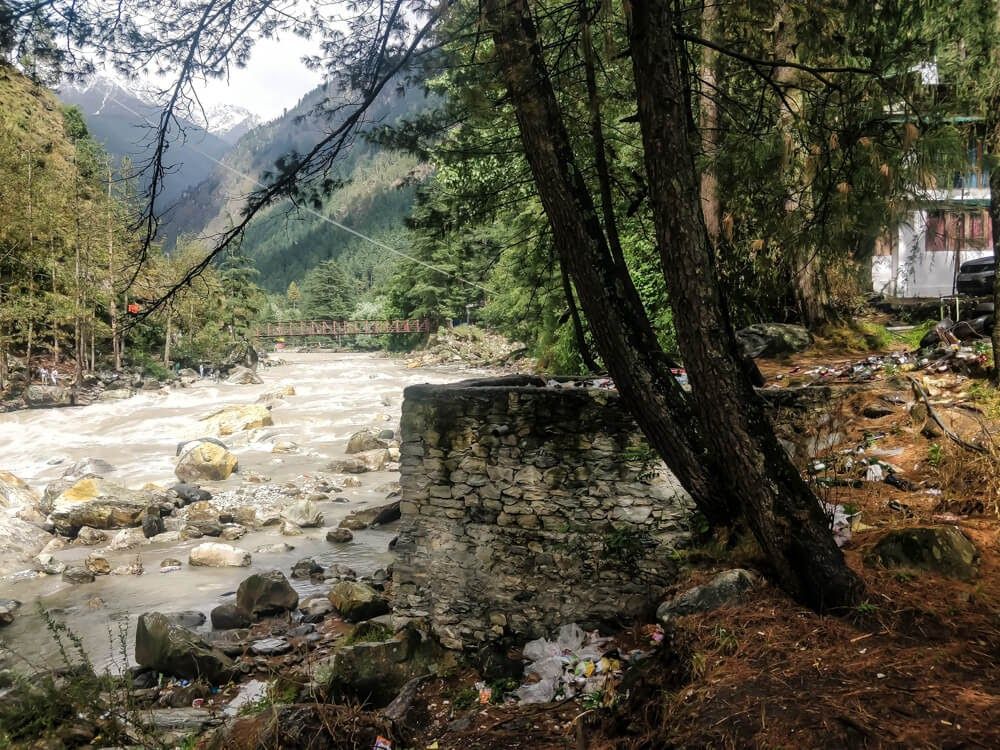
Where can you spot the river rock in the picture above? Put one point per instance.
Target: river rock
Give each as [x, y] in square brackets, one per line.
[127, 539]
[38, 396]
[170, 564]
[152, 522]
[176, 651]
[77, 574]
[277, 394]
[375, 672]
[773, 339]
[339, 536]
[290, 529]
[284, 446]
[88, 466]
[233, 531]
[306, 568]
[368, 517]
[8, 608]
[115, 395]
[356, 601]
[97, 514]
[236, 418]
[216, 555]
[939, 549]
[92, 488]
[270, 647]
[274, 549]
[725, 587]
[205, 461]
[266, 594]
[304, 514]
[190, 493]
[15, 492]
[315, 608]
[89, 536]
[230, 617]
[97, 564]
[364, 440]
[339, 572]
[240, 375]
[186, 619]
[47, 563]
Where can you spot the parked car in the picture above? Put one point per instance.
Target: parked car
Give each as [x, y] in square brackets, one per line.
[975, 277]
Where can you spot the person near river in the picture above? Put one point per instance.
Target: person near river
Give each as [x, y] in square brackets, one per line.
[43, 375]
[54, 376]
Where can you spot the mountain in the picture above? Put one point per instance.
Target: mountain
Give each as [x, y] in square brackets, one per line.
[230, 122]
[122, 122]
[376, 194]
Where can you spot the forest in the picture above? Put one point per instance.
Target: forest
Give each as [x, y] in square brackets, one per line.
[624, 188]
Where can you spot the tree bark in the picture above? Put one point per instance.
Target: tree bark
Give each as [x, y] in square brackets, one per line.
[994, 209]
[578, 331]
[779, 506]
[708, 115]
[618, 321]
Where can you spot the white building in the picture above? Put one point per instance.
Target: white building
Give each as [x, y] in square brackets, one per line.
[921, 257]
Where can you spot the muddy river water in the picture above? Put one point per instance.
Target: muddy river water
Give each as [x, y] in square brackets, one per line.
[335, 395]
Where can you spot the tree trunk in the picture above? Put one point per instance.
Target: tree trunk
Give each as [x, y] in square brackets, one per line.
[618, 322]
[994, 131]
[708, 115]
[578, 332]
[780, 508]
[809, 284]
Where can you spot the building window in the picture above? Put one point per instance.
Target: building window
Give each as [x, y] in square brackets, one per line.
[950, 231]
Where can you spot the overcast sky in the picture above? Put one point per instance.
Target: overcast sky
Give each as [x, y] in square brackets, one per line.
[274, 79]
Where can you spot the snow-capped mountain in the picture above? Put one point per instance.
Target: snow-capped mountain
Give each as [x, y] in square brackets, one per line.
[230, 122]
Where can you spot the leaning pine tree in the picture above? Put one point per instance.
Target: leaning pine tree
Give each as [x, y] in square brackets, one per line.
[751, 473]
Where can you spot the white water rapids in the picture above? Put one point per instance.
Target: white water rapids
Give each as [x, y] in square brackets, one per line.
[335, 395]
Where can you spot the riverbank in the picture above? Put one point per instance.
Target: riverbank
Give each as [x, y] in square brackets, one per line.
[135, 441]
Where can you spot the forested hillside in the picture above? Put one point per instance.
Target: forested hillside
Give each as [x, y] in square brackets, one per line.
[68, 257]
[371, 192]
[121, 122]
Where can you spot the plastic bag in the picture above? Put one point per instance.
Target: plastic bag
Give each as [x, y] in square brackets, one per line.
[539, 692]
[570, 637]
[550, 668]
[539, 649]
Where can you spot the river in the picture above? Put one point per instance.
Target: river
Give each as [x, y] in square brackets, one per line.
[335, 395]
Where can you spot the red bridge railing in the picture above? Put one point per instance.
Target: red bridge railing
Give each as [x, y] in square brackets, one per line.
[296, 328]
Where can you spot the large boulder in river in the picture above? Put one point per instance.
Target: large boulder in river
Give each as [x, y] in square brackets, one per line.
[205, 461]
[356, 601]
[303, 514]
[230, 617]
[773, 339]
[368, 517]
[236, 418]
[359, 463]
[267, 593]
[38, 396]
[939, 549]
[217, 555]
[15, 492]
[97, 514]
[240, 375]
[176, 651]
[364, 440]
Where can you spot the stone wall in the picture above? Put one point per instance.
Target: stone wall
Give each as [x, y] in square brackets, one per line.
[526, 507]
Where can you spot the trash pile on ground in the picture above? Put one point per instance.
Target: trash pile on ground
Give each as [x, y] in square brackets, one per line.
[575, 663]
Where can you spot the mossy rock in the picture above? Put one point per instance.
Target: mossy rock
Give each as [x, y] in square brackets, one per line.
[939, 549]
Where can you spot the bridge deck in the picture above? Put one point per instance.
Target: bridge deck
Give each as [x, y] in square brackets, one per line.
[297, 328]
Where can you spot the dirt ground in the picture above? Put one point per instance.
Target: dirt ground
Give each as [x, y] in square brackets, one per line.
[916, 666]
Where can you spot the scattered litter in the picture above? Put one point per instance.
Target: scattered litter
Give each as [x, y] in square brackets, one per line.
[874, 473]
[381, 743]
[574, 663]
[840, 522]
[485, 693]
